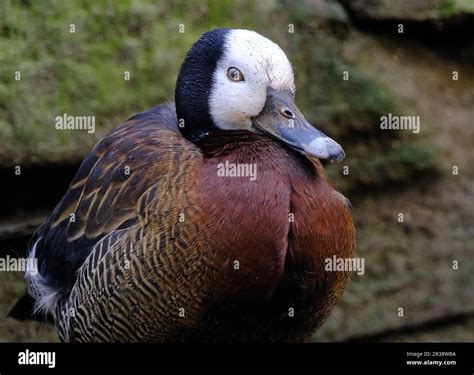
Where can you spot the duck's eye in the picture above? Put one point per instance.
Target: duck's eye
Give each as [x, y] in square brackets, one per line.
[235, 74]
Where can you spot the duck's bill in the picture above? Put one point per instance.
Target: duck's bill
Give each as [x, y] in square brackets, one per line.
[281, 119]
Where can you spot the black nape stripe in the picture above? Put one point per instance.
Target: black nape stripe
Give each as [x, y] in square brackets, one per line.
[193, 85]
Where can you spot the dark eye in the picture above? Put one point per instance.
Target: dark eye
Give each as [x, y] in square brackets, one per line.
[235, 74]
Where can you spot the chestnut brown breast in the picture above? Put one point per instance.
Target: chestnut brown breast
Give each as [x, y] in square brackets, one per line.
[272, 236]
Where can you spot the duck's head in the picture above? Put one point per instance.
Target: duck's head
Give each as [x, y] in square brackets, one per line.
[240, 80]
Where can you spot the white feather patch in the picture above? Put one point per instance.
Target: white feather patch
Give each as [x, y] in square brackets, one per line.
[263, 64]
[44, 295]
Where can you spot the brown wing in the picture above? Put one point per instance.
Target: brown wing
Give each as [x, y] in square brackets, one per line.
[145, 282]
[104, 195]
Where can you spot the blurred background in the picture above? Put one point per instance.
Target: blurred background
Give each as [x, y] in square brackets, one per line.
[352, 65]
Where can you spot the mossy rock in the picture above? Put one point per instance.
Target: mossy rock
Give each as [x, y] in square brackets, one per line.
[83, 73]
[348, 105]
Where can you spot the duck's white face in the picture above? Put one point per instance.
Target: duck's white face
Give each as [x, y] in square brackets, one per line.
[240, 80]
[250, 64]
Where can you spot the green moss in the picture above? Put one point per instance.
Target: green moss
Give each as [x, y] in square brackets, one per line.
[453, 7]
[82, 73]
